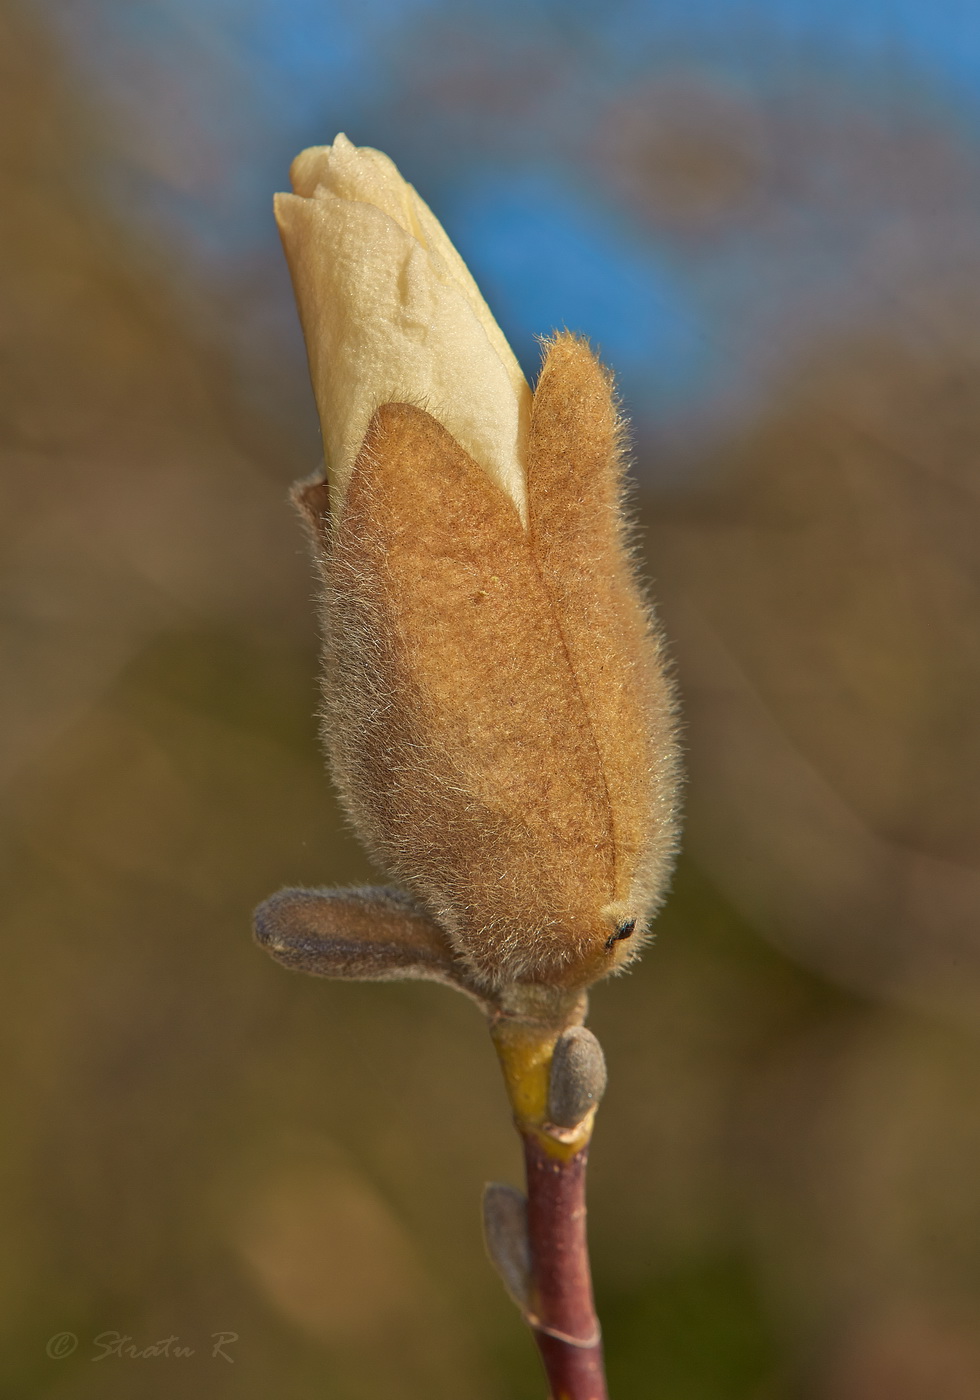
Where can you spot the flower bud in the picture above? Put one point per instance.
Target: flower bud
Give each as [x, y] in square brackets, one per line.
[496, 708]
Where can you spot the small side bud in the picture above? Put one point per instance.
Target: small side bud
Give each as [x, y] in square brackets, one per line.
[505, 1234]
[578, 1077]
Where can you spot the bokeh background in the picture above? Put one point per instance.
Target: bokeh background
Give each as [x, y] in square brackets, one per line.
[767, 215]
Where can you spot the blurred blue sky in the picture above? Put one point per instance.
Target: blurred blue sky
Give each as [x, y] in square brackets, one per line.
[514, 120]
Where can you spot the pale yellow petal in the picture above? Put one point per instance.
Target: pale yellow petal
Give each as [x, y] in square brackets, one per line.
[362, 173]
[385, 322]
[382, 322]
[436, 239]
[356, 173]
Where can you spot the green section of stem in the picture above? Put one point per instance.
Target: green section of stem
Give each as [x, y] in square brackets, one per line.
[525, 1049]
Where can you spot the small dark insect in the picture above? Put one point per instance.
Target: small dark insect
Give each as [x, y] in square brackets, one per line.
[624, 931]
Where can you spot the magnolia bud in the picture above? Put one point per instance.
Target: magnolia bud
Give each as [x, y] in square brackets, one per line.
[497, 713]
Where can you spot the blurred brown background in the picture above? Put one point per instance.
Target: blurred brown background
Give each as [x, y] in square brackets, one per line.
[786, 1185]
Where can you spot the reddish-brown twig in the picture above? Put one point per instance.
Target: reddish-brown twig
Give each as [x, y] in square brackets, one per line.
[561, 1312]
[555, 1078]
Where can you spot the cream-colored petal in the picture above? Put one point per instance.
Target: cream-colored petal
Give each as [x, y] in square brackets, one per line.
[464, 393]
[356, 173]
[385, 322]
[361, 172]
[436, 239]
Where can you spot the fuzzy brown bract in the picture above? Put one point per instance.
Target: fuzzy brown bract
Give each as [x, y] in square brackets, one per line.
[496, 710]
